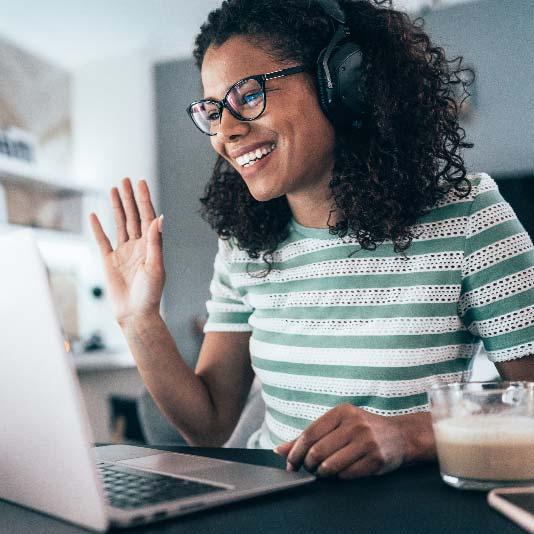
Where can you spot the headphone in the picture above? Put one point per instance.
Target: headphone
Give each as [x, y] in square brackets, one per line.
[339, 73]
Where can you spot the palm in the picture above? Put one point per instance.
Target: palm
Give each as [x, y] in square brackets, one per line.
[133, 288]
[134, 270]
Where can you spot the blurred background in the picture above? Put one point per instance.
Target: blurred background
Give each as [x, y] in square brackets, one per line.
[91, 92]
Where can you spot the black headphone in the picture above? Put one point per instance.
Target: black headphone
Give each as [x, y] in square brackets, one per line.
[339, 73]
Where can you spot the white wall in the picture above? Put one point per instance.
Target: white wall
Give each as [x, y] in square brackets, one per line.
[112, 112]
[113, 120]
[113, 137]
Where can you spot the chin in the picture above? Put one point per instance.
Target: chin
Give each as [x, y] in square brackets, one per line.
[263, 194]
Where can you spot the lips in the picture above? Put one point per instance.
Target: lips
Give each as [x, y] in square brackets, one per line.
[236, 152]
[250, 158]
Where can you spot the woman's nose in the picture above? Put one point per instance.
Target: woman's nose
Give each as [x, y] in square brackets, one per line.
[231, 128]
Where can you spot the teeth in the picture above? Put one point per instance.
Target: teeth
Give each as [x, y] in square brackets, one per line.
[251, 157]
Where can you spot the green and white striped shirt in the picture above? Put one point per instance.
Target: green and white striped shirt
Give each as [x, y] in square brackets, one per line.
[332, 323]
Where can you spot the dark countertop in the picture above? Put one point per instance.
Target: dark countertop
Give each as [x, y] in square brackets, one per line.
[411, 500]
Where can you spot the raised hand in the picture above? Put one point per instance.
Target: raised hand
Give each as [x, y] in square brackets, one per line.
[134, 270]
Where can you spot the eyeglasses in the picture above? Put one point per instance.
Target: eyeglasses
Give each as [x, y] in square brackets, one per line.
[245, 100]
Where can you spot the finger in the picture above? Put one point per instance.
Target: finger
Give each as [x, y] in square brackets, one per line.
[326, 447]
[364, 466]
[325, 424]
[100, 236]
[340, 460]
[133, 221]
[284, 448]
[119, 216]
[154, 253]
[146, 209]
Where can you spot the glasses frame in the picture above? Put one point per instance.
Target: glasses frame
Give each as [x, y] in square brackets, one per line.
[222, 104]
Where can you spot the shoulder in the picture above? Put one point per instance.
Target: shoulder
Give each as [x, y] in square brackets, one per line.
[229, 252]
[455, 214]
[480, 182]
[226, 249]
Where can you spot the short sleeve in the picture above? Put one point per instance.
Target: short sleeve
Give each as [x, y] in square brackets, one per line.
[227, 310]
[497, 294]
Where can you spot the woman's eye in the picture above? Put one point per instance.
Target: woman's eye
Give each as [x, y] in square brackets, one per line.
[252, 98]
[214, 116]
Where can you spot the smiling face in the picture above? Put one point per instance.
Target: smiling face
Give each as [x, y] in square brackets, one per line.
[292, 141]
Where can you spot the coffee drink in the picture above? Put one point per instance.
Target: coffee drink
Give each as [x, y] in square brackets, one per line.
[486, 447]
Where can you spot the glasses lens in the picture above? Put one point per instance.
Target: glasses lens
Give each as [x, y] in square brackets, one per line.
[247, 99]
[206, 116]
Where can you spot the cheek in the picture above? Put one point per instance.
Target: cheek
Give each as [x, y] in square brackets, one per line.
[310, 125]
[314, 139]
[216, 145]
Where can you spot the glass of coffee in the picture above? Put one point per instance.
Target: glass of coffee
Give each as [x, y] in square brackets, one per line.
[484, 433]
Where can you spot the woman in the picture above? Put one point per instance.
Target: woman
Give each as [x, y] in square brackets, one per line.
[358, 263]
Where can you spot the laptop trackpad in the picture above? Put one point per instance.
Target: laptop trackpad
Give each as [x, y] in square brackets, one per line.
[173, 463]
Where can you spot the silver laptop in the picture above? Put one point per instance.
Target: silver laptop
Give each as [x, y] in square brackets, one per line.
[46, 461]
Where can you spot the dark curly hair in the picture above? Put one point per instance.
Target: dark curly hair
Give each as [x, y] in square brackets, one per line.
[387, 173]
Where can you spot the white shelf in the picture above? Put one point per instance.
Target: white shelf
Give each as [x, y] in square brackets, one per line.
[45, 234]
[103, 361]
[23, 172]
[40, 192]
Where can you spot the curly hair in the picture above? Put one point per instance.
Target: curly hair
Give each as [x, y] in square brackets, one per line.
[405, 156]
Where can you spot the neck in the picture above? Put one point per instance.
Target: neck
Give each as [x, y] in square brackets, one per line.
[313, 211]
[312, 204]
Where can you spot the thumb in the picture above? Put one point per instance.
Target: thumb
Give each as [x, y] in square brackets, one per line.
[284, 448]
[154, 252]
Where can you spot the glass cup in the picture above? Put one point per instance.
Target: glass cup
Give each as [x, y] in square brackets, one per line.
[484, 433]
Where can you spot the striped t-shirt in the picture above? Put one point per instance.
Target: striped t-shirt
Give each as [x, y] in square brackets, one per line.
[333, 323]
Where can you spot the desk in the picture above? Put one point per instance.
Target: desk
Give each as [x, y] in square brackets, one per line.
[412, 500]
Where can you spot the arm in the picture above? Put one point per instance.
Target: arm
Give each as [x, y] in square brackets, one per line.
[520, 369]
[205, 405]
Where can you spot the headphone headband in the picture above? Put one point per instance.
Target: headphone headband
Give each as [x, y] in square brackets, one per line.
[336, 39]
[339, 73]
[333, 10]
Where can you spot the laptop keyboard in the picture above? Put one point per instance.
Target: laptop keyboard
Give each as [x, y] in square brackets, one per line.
[128, 488]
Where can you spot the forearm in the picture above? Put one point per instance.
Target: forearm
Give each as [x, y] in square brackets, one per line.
[418, 437]
[177, 390]
[517, 370]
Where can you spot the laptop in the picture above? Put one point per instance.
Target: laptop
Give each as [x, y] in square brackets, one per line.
[46, 460]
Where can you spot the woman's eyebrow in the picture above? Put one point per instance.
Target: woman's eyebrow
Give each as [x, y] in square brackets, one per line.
[230, 86]
[225, 93]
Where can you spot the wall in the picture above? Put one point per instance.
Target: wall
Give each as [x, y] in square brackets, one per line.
[113, 120]
[185, 161]
[113, 137]
[497, 37]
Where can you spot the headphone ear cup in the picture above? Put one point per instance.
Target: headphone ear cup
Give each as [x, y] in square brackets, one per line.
[343, 104]
[324, 93]
[349, 102]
